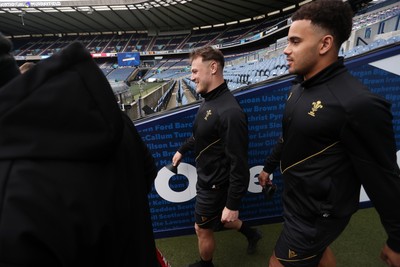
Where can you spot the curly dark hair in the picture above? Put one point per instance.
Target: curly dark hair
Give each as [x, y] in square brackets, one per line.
[208, 53]
[335, 16]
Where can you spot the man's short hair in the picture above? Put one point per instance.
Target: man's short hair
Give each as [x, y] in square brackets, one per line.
[335, 16]
[208, 53]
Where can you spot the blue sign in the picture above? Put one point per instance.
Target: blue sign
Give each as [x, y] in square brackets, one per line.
[128, 59]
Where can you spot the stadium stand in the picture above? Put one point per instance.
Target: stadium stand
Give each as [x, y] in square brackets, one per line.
[374, 26]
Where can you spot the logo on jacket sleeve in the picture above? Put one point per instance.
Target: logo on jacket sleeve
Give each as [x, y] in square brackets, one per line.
[292, 254]
[315, 106]
[208, 113]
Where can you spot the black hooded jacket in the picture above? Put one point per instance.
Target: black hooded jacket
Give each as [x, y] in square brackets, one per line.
[74, 172]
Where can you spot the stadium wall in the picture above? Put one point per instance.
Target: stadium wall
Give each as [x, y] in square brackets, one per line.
[172, 197]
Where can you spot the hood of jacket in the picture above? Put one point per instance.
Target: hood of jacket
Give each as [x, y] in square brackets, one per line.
[62, 108]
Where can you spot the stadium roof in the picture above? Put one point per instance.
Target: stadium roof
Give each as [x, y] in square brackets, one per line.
[153, 16]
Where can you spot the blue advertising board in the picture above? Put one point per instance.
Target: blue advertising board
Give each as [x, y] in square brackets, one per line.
[128, 59]
[172, 198]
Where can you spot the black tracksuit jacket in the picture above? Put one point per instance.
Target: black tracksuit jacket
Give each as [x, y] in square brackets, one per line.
[220, 142]
[337, 135]
[74, 172]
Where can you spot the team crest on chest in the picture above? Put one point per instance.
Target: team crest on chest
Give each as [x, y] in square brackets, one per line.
[208, 113]
[315, 107]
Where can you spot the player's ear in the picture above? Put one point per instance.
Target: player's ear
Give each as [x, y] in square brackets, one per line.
[214, 67]
[326, 44]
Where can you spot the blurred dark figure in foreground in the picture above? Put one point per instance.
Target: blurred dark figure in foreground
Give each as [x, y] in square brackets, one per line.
[74, 172]
[8, 66]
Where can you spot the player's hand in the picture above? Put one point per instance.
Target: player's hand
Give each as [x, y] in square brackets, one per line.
[176, 159]
[263, 178]
[229, 215]
[390, 257]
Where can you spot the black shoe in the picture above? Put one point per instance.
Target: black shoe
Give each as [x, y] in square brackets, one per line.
[252, 246]
[198, 264]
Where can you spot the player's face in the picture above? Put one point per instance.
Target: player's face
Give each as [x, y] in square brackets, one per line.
[302, 51]
[201, 75]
